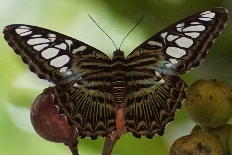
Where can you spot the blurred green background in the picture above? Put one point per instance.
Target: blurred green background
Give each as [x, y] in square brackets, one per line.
[19, 87]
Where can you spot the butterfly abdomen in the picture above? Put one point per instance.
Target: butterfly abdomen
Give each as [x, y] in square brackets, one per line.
[118, 89]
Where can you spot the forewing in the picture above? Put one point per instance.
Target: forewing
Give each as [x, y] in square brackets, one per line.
[51, 55]
[80, 72]
[182, 46]
[152, 102]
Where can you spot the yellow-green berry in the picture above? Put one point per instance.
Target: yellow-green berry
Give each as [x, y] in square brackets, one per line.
[209, 103]
[197, 144]
[230, 143]
[223, 133]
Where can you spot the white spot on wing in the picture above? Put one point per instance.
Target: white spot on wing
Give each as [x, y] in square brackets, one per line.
[163, 35]
[36, 36]
[52, 39]
[69, 42]
[154, 43]
[206, 12]
[49, 53]
[195, 23]
[175, 52]
[76, 85]
[157, 74]
[65, 71]
[207, 16]
[60, 61]
[179, 27]
[194, 28]
[160, 82]
[173, 61]
[40, 47]
[205, 19]
[192, 34]
[22, 29]
[62, 46]
[51, 35]
[25, 33]
[184, 42]
[81, 48]
[172, 37]
[36, 41]
[169, 65]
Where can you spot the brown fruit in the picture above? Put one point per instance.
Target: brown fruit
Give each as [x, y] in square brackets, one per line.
[49, 123]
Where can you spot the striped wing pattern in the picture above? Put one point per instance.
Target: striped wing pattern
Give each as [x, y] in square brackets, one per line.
[87, 103]
[153, 100]
[81, 74]
[91, 89]
[181, 46]
[156, 91]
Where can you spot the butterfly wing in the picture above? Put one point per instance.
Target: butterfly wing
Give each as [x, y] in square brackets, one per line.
[51, 55]
[152, 101]
[87, 104]
[155, 90]
[181, 46]
[80, 72]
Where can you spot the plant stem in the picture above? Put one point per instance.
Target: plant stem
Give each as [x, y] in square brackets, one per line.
[108, 146]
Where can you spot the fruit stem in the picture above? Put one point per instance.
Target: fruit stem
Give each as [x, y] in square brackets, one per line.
[74, 150]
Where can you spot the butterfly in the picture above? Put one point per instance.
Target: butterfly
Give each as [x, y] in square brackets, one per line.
[139, 94]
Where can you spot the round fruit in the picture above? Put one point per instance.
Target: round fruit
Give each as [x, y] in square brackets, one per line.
[223, 134]
[49, 123]
[230, 143]
[209, 103]
[200, 144]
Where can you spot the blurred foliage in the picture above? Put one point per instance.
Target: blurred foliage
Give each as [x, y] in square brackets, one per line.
[19, 86]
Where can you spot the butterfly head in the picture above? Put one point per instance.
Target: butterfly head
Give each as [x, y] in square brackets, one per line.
[118, 52]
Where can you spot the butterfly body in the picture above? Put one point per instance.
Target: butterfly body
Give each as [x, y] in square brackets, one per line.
[139, 93]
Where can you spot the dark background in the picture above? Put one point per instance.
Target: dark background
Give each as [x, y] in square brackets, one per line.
[19, 87]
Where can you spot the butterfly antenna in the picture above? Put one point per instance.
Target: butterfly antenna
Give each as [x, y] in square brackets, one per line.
[103, 31]
[131, 30]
